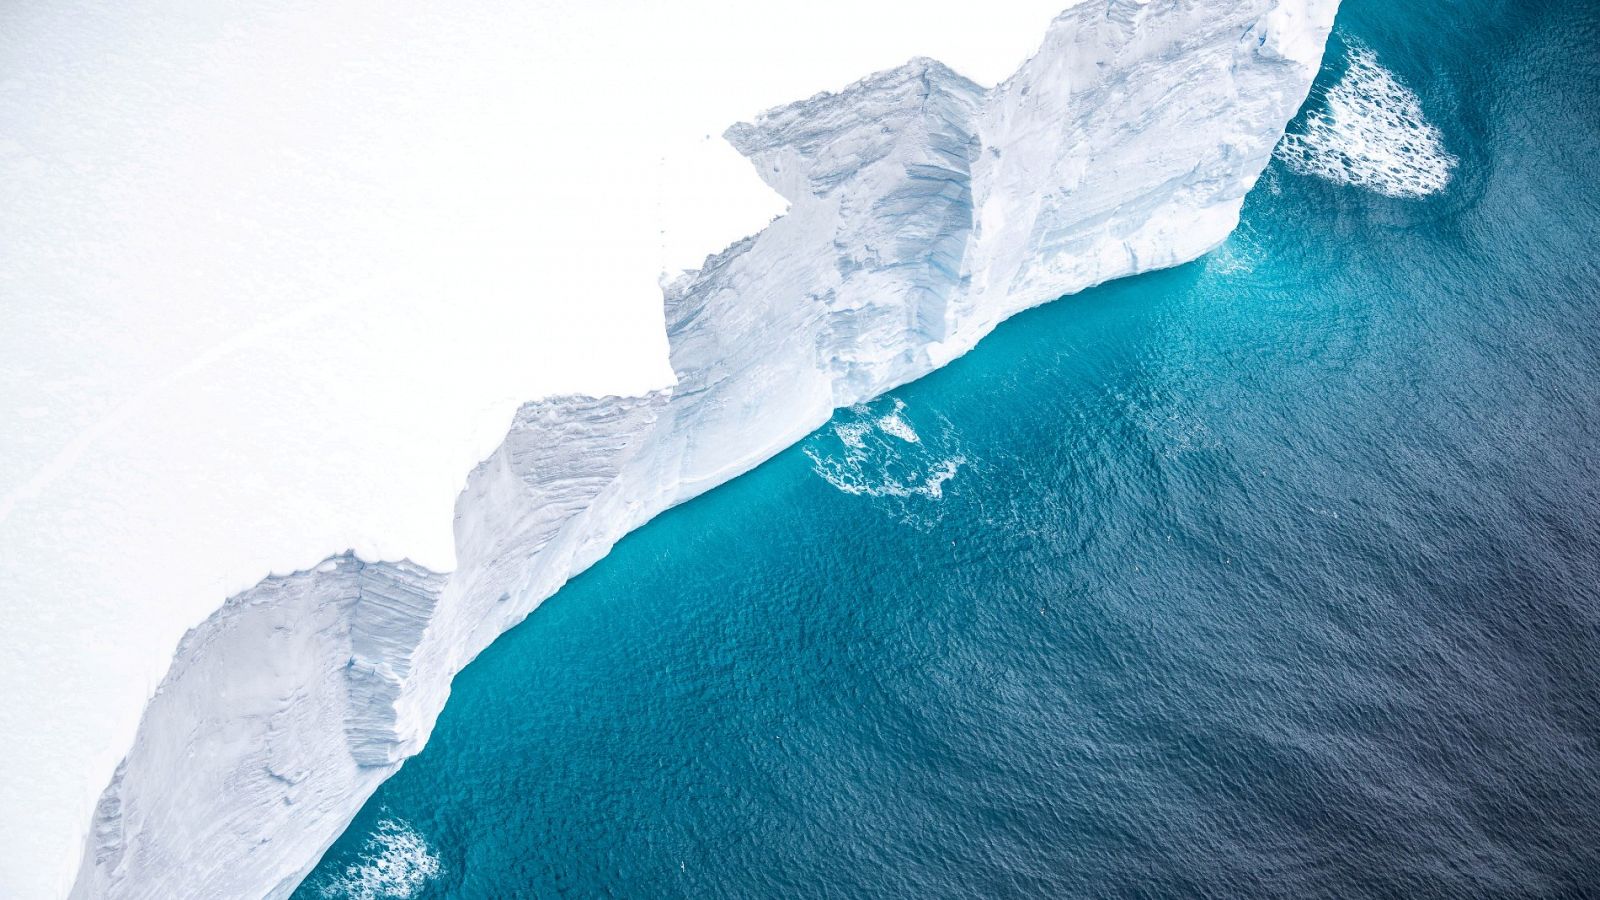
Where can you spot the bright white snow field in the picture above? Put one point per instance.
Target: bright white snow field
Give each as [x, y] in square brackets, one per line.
[275, 275]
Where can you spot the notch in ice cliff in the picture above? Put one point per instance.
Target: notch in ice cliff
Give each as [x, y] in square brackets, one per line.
[924, 210]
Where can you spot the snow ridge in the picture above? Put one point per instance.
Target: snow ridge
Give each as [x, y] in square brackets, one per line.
[924, 210]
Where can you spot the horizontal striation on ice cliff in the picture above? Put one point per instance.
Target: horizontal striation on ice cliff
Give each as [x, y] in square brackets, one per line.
[924, 209]
[300, 661]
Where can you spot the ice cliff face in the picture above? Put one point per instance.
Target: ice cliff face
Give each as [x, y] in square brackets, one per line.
[924, 210]
[231, 761]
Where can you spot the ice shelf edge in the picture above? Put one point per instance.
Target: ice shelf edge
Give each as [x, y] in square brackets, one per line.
[925, 209]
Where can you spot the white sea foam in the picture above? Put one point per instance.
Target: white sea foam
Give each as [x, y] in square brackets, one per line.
[877, 453]
[395, 864]
[893, 424]
[853, 434]
[1238, 255]
[1372, 134]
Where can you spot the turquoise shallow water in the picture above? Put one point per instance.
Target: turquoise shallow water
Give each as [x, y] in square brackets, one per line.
[1277, 574]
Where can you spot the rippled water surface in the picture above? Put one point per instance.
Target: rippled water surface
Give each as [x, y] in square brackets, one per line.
[1274, 575]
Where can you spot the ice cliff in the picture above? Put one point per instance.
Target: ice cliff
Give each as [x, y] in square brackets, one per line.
[924, 209]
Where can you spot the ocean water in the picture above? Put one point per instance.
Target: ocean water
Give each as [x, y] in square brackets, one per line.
[1275, 575]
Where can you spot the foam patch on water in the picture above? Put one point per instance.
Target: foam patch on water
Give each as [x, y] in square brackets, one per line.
[1372, 134]
[895, 426]
[1238, 255]
[874, 450]
[396, 863]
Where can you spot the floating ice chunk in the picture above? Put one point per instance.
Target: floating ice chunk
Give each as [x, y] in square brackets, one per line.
[1373, 134]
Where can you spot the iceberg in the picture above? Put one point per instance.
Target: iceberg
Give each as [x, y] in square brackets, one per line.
[923, 209]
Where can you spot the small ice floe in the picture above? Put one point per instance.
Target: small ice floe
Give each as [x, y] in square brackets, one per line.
[1371, 134]
[396, 863]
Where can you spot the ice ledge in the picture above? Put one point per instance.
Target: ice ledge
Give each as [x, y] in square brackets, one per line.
[925, 210]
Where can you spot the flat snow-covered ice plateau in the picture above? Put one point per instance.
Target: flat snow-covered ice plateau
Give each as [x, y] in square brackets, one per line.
[274, 278]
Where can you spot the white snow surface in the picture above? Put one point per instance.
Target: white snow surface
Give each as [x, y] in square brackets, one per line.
[273, 277]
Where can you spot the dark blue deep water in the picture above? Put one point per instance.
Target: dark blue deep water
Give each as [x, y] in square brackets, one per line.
[1275, 575]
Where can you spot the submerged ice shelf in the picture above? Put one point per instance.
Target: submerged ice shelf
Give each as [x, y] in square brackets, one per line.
[924, 209]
